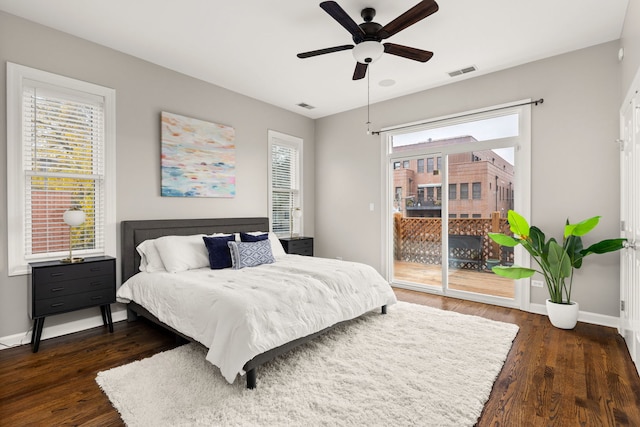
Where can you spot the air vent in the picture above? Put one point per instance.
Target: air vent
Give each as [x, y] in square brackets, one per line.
[462, 71]
[305, 105]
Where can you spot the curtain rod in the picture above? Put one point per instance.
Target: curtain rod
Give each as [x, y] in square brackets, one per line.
[536, 102]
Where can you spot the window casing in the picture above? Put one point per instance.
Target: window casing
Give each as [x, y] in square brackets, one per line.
[60, 153]
[476, 189]
[285, 184]
[420, 165]
[452, 191]
[464, 191]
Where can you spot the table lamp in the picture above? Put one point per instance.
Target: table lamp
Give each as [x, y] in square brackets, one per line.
[73, 217]
[295, 213]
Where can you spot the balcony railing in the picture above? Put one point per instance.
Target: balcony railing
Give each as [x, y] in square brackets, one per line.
[419, 240]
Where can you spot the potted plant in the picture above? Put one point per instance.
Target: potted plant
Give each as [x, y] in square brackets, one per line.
[556, 261]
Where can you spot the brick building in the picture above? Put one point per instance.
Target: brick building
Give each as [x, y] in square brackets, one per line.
[480, 182]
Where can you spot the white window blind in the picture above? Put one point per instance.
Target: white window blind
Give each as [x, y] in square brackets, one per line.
[60, 154]
[285, 184]
[63, 155]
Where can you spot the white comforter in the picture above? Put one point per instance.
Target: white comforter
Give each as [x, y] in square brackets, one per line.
[239, 314]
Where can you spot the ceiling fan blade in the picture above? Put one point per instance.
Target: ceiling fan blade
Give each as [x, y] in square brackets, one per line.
[410, 17]
[408, 52]
[324, 51]
[338, 13]
[360, 71]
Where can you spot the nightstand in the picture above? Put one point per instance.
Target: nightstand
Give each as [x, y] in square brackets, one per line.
[298, 245]
[57, 287]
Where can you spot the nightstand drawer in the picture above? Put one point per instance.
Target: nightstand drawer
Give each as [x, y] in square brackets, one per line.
[48, 288]
[299, 245]
[73, 271]
[45, 307]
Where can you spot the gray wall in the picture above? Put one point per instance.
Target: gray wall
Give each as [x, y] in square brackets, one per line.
[143, 91]
[575, 169]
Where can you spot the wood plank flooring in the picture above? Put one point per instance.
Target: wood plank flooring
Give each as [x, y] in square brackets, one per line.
[480, 282]
[583, 377]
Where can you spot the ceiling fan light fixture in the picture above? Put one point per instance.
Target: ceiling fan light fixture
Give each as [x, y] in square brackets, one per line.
[368, 52]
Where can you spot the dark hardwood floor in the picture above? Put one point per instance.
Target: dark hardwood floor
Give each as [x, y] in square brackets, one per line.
[552, 377]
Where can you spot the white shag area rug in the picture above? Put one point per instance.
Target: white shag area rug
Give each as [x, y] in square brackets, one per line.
[416, 365]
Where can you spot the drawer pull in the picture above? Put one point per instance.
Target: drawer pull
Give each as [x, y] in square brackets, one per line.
[57, 289]
[58, 304]
[99, 282]
[57, 274]
[95, 298]
[96, 268]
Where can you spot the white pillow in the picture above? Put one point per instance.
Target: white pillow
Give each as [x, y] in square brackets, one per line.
[182, 253]
[150, 260]
[276, 245]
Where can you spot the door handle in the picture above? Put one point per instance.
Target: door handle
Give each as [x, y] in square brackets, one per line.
[628, 245]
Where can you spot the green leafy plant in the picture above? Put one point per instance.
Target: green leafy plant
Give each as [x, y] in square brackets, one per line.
[556, 261]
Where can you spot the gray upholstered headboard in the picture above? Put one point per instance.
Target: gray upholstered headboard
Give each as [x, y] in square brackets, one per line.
[136, 232]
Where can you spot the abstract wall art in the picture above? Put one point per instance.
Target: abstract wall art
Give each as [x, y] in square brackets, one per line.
[198, 158]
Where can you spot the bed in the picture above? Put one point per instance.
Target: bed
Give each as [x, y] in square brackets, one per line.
[307, 295]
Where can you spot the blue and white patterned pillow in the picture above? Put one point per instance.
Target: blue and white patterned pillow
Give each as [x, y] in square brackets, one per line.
[250, 254]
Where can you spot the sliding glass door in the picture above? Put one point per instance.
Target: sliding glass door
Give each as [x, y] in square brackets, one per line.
[469, 174]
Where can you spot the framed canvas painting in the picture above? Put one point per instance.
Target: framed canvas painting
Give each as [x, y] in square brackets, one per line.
[198, 158]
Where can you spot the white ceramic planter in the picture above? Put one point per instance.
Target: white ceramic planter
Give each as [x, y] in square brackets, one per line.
[563, 316]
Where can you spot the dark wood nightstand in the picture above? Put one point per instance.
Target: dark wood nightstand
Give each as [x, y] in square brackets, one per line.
[298, 245]
[57, 288]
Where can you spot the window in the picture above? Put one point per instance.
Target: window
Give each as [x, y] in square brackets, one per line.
[430, 164]
[405, 164]
[420, 165]
[285, 182]
[420, 195]
[430, 194]
[61, 155]
[477, 191]
[396, 165]
[464, 191]
[464, 215]
[452, 191]
[398, 194]
[439, 163]
[476, 215]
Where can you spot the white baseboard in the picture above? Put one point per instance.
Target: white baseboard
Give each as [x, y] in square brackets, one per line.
[583, 316]
[59, 330]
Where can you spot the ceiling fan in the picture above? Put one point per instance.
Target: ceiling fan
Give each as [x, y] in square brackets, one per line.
[369, 35]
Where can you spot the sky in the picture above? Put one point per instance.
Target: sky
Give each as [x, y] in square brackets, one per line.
[481, 130]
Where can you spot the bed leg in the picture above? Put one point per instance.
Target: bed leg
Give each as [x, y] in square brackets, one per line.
[251, 378]
[132, 316]
[384, 309]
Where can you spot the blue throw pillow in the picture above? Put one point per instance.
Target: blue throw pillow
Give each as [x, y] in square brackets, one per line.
[245, 237]
[250, 254]
[219, 254]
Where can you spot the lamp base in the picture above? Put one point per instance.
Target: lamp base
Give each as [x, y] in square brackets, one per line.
[71, 260]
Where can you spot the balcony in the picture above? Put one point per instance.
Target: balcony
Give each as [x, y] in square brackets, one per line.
[418, 253]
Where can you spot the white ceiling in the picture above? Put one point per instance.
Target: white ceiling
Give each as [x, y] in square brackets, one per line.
[250, 46]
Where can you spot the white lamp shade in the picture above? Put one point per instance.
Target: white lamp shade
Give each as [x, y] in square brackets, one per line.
[368, 52]
[73, 218]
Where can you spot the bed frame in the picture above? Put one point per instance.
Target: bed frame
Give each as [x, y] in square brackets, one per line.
[135, 232]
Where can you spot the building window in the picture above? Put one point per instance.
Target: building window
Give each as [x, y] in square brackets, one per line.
[464, 215]
[285, 182]
[396, 165]
[430, 194]
[452, 191]
[61, 155]
[420, 195]
[405, 164]
[477, 191]
[476, 216]
[398, 194]
[439, 163]
[464, 191]
[452, 215]
[420, 165]
[430, 164]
